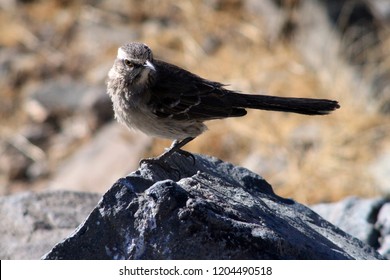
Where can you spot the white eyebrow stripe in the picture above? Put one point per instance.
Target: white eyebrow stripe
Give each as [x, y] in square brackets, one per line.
[121, 54]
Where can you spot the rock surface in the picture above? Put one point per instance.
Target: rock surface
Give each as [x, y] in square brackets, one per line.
[207, 209]
[366, 219]
[32, 223]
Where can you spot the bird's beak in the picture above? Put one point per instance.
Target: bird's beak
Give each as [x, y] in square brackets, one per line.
[149, 65]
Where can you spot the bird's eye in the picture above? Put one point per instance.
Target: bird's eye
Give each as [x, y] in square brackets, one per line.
[129, 63]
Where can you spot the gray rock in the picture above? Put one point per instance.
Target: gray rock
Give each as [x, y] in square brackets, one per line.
[382, 7]
[383, 226]
[61, 96]
[203, 210]
[111, 153]
[31, 223]
[64, 96]
[13, 163]
[20, 158]
[361, 218]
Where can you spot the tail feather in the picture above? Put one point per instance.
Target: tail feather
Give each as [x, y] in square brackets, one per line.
[306, 106]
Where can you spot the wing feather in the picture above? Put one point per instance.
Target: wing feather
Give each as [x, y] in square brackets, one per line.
[181, 95]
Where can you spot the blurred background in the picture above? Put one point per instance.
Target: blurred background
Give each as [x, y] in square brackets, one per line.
[56, 122]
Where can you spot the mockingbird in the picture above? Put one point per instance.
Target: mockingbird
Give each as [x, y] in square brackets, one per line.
[164, 100]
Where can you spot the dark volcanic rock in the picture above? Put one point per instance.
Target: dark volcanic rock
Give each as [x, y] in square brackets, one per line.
[207, 210]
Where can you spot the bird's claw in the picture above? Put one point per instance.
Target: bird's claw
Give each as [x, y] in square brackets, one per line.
[159, 161]
[187, 155]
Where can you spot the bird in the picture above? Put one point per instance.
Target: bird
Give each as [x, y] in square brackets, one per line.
[164, 100]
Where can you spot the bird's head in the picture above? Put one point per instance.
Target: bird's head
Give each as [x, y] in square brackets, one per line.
[134, 63]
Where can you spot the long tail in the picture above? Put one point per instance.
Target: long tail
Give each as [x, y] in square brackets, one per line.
[307, 106]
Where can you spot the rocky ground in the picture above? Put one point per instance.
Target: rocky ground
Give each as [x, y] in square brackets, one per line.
[56, 127]
[195, 208]
[210, 209]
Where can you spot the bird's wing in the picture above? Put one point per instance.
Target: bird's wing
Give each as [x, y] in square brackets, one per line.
[181, 95]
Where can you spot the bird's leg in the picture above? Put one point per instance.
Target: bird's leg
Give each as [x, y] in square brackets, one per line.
[175, 147]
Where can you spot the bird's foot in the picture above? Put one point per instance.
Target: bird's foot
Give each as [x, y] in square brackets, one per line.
[161, 162]
[187, 155]
[163, 159]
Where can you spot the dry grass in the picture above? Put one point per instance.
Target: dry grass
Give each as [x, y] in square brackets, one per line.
[345, 143]
[313, 158]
